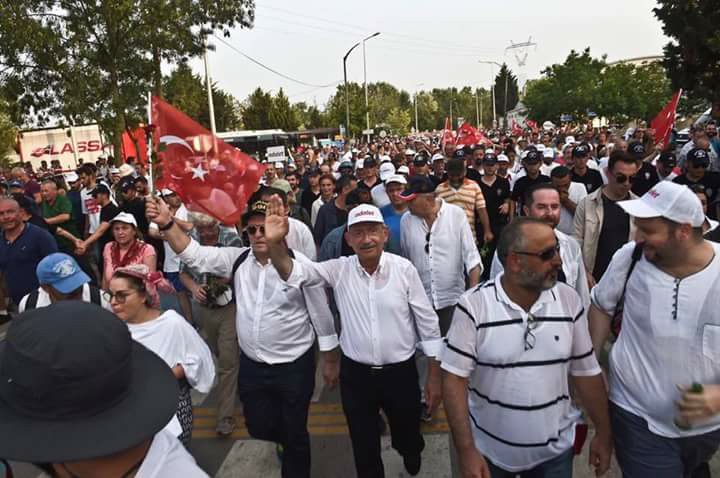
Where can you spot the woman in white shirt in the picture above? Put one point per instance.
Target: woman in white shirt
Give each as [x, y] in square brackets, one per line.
[135, 300]
[327, 192]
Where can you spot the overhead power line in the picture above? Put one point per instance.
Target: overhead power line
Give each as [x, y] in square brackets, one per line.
[272, 70]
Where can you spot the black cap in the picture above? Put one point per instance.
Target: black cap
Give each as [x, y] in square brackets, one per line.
[636, 150]
[418, 185]
[420, 160]
[490, 158]
[369, 162]
[532, 156]
[699, 157]
[126, 186]
[581, 150]
[258, 208]
[668, 158]
[314, 172]
[459, 153]
[100, 189]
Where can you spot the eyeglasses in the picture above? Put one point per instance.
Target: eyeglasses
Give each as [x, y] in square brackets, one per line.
[529, 336]
[546, 255]
[427, 243]
[622, 178]
[252, 230]
[119, 296]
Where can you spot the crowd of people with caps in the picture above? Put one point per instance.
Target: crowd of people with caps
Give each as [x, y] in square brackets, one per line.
[533, 284]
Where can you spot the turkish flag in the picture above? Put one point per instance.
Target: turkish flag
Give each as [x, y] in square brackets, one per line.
[664, 121]
[129, 139]
[447, 136]
[468, 135]
[209, 175]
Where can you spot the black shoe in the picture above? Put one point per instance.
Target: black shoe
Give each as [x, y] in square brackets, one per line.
[5, 318]
[412, 464]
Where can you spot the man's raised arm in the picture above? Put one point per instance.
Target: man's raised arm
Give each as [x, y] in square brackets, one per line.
[276, 229]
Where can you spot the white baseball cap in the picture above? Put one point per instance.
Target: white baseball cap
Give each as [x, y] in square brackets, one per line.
[386, 171]
[364, 213]
[410, 152]
[403, 170]
[396, 178]
[71, 177]
[125, 218]
[570, 140]
[501, 158]
[548, 153]
[359, 164]
[437, 156]
[670, 200]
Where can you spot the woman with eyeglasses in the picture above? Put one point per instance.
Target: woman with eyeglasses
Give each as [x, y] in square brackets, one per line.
[133, 293]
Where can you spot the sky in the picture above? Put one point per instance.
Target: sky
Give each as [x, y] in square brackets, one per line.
[422, 44]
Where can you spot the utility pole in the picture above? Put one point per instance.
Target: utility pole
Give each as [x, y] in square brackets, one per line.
[211, 105]
[347, 93]
[367, 107]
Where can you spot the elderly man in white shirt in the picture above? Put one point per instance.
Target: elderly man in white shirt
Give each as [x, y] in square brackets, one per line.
[276, 326]
[436, 238]
[382, 305]
[543, 202]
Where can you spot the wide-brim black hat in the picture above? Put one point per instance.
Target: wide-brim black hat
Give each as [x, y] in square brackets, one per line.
[143, 407]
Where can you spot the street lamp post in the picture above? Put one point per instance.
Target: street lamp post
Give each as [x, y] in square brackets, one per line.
[347, 93]
[416, 109]
[487, 62]
[367, 107]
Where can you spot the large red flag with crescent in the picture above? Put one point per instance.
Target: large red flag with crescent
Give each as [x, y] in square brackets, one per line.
[664, 121]
[209, 175]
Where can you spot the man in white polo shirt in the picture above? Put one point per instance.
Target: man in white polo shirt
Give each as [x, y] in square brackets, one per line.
[384, 313]
[513, 342]
[665, 364]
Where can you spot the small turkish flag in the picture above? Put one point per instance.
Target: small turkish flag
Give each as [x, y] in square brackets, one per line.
[209, 175]
[468, 135]
[447, 136]
[664, 121]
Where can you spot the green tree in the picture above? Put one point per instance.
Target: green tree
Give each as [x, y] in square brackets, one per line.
[567, 88]
[427, 111]
[692, 57]
[187, 92]
[398, 120]
[505, 80]
[82, 60]
[8, 131]
[335, 108]
[256, 110]
[627, 92]
[282, 115]
[308, 116]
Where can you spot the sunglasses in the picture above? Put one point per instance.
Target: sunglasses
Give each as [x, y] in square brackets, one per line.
[529, 335]
[427, 243]
[252, 230]
[545, 256]
[623, 178]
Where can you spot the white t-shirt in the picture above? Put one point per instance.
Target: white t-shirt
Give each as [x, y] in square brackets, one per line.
[44, 299]
[175, 341]
[670, 336]
[91, 209]
[576, 192]
[168, 458]
[172, 263]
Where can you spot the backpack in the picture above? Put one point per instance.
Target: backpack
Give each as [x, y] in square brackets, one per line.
[31, 302]
[616, 322]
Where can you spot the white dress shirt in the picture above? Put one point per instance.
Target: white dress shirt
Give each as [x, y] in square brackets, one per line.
[572, 266]
[576, 192]
[451, 250]
[300, 239]
[381, 312]
[274, 322]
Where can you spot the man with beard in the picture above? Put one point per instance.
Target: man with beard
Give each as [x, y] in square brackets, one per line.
[664, 366]
[542, 201]
[512, 345]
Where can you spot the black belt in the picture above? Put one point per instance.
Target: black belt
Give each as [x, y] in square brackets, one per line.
[378, 368]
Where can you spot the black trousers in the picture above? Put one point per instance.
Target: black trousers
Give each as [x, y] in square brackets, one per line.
[365, 391]
[276, 400]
